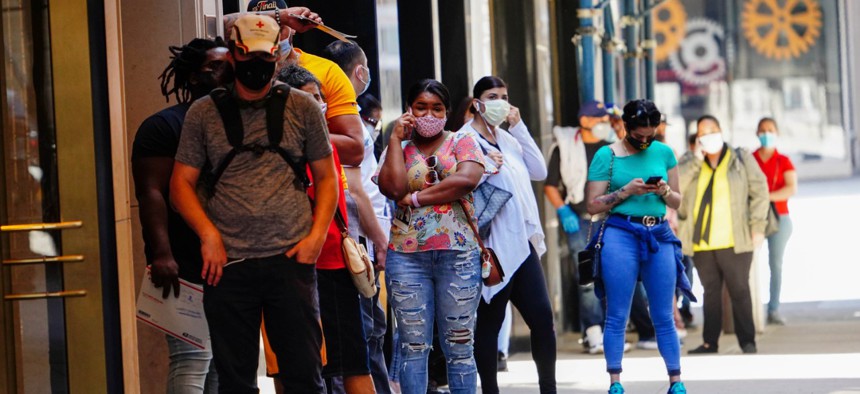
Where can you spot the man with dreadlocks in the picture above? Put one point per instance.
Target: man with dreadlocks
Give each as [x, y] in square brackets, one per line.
[171, 247]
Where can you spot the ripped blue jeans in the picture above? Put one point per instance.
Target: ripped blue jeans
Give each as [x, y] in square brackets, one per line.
[441, 285]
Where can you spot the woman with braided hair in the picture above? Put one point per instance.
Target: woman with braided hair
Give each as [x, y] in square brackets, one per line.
[172, 249]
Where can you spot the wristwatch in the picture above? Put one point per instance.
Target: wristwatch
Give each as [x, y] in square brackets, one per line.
[666, 193]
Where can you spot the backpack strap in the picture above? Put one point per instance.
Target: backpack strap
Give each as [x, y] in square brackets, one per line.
[275, 128]
[232, 120]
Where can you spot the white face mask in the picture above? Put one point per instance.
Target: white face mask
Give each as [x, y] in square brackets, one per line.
[495, 111]
[711, 143]
[602, 130]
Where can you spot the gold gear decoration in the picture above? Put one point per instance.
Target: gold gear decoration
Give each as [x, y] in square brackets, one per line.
[781, 32]
[670, 27]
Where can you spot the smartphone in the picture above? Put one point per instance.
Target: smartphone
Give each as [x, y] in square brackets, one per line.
[411, 130]
[653, 180]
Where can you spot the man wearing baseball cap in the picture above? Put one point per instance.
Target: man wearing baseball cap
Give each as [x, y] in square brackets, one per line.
[260, 236]
[565, 188]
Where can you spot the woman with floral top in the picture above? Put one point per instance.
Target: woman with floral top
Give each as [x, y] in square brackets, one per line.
[433, 263]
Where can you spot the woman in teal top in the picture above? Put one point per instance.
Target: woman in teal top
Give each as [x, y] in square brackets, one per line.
[634, 179]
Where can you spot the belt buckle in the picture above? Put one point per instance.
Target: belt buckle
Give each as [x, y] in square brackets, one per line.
[649, 221]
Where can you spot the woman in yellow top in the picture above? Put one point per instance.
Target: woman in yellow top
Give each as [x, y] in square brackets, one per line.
[722, 220]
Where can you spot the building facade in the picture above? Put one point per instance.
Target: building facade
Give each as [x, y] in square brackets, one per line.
[81, 75]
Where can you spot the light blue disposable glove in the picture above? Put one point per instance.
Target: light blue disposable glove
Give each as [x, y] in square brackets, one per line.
[569, 219]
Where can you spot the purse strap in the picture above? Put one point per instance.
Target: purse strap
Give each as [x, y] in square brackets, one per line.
[341, 223]
[608, 187]
[473, 227]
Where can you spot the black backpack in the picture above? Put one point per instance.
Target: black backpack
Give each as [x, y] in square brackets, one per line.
[229, 111]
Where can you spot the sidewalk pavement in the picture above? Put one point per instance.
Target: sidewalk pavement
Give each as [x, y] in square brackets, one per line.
[818, 351]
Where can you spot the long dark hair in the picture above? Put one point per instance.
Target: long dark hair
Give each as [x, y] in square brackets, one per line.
[458, 117]
[185, 60]
[484, 84]
[431, 86]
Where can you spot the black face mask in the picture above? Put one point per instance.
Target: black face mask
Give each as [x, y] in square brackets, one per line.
[639, 144]
[255, 74]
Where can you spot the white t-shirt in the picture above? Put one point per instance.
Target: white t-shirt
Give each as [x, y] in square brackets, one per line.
[368, 168]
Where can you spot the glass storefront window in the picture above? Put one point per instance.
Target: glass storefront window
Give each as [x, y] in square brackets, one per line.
[741, 60]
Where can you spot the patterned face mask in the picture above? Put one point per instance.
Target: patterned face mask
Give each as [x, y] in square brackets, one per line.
[430, 126]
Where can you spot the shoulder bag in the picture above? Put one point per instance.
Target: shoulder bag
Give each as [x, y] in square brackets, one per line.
[357, 261]
[590, 257]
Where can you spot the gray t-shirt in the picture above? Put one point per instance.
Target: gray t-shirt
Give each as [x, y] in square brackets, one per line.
[256, 206]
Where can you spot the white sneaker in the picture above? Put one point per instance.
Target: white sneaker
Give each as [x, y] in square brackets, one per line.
[650, 344]
[594, 338]
[626, 347]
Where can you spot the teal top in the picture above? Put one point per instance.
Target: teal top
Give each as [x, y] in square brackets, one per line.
[657, 160]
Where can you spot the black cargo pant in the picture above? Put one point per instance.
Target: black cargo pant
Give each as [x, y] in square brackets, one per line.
[286, 292]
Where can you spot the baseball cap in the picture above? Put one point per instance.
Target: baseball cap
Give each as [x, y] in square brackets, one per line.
[613, 110]
[593, 109]
[256, 33]
[266, 5]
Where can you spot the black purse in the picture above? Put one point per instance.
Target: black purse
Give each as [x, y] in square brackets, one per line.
[590, 257]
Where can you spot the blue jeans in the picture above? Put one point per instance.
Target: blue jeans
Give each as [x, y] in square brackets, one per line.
[191, 369]
[776, 248]
[590, 308]
[639, 314]
[445, 286]
[623, 261]
[373, 318]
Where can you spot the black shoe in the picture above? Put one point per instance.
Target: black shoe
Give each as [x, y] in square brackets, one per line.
[749, 348]
[502, 363]
[703, 349]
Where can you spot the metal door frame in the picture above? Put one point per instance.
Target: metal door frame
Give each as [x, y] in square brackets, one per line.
[77, 137]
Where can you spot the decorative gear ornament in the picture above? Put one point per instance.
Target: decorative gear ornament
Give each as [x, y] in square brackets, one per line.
[781, 32]
[699, 60]
[670, 26]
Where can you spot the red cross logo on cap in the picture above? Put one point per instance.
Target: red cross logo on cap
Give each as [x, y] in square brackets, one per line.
[260, 24]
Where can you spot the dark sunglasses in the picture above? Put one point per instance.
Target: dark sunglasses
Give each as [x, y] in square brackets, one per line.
[371, 121]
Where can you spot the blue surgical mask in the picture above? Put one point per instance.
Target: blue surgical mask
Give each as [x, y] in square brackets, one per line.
[768, 140]
[285, 48]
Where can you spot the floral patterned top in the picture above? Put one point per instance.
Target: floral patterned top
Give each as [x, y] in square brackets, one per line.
[437, 227]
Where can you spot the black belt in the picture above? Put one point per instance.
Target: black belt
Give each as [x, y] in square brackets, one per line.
[648, 221]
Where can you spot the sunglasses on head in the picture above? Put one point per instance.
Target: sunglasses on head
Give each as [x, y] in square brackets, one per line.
[645, 116]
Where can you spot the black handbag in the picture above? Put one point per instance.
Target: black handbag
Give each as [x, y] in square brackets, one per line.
[590, 257]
